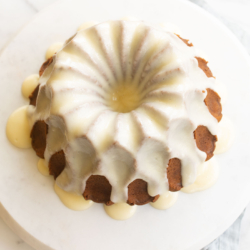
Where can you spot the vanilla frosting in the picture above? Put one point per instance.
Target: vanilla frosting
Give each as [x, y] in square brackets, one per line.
[29, 84]
[225, 136]
[207, 176]
[86, 25]
[120, 211]
[18, 128]
[53, 49]
[42, 167]
[122, 98]
[71, 200]
[165, 201]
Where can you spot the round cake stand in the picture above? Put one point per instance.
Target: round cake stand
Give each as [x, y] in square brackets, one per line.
[28, 203]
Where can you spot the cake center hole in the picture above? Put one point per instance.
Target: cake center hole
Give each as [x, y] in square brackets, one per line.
[124, 98]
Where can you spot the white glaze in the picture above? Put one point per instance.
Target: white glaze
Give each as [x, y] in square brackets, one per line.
[120, 211]
[207, 177]
[148, 215]
[81, 92]
[222, 91]
[225, 136]
[43, 168]
[165, 201]
[86, 25]
[53, 49]
[18, 128]
[71, 200]
[130, 18]
[29, 84]
[202, 54]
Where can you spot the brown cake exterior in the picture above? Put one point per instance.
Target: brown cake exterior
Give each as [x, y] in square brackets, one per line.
[98, 188]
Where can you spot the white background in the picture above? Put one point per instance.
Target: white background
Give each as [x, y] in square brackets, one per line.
[14, 14]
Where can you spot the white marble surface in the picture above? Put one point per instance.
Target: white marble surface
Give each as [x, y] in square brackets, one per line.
[15, 13]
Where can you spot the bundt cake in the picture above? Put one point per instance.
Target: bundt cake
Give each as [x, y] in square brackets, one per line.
[123, 112]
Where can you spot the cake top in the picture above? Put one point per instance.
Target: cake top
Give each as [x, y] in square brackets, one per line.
[121, 99]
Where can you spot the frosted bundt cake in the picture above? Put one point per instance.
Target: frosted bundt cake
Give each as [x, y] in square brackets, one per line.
[124, 112]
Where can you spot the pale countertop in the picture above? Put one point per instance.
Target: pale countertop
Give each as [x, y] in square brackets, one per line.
[14, 14]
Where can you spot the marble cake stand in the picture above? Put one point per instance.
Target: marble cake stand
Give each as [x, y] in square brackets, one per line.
[28, 203]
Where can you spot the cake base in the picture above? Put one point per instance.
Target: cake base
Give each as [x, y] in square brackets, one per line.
[28, 201]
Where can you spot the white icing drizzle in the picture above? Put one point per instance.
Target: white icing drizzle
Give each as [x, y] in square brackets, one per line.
[130, 18]
[80, 97]
[222, 91]
[165, 201]
[54, 48]
[43, 168]
[86, 25]
[208, 175]
[29, 84]
[71, 200]
[225, 136]
[18, 128]
[120, 211]
[202, 54]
